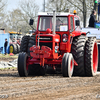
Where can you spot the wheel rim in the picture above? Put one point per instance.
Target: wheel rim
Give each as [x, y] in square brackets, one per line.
[11, 49]
[95, 57]
[71, 66]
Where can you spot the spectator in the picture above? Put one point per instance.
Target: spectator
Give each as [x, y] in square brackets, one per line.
[5, 46]
[92, 19]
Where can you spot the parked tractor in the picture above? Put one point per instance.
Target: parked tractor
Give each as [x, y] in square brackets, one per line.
[15, 41]
[59, 44]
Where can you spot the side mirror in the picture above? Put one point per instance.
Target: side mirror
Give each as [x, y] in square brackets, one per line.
[31, 21]
[77, 23]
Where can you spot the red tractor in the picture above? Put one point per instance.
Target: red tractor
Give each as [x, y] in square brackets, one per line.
[59, 44]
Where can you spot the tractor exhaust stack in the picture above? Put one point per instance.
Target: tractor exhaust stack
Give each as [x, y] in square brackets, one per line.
[54, 21]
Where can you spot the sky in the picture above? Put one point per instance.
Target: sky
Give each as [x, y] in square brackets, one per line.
[13, 4]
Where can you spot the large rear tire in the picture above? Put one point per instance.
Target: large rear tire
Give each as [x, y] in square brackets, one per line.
[24, 44]
[77, 50]
[91, 57]
[18, 48]
[22, 64]
[31, 43]
[98, 57]
[67, 65]
[33, 69]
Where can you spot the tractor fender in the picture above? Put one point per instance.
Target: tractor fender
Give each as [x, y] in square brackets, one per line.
[78, 33]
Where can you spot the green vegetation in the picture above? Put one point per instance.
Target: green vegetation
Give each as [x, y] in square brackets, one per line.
[9, 68]
[8, 56]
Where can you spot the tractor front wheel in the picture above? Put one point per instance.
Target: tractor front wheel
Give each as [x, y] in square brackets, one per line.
[22, 64]
[91, 57]
[67, 65]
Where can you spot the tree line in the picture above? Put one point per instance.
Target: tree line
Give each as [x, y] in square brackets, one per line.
[18, 19]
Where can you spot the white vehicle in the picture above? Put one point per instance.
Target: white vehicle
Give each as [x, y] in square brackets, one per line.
[92, 32]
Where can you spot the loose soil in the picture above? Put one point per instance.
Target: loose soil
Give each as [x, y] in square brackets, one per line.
[7, 59]
[48, 87]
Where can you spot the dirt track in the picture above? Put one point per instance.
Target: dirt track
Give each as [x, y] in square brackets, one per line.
[7, 59]
[49, 87]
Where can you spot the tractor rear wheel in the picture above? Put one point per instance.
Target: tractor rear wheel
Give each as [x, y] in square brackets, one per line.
[34, 68]
[24, 44]
[77, 50]
[91, 57]
[67, 65]
[22, 64]
[31, 43]
[18, 48]
[98, 57]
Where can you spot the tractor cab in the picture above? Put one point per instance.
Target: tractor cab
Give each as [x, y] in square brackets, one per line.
[64, 22]
[59, 35]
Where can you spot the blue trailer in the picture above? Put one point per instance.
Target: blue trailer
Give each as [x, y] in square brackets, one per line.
[3, 36]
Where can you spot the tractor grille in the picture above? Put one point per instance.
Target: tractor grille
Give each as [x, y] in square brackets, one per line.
[45, 38]
[46, 44]
[43, 41]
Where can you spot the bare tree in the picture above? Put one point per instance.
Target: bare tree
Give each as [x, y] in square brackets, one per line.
[14, 20]
[30, 10]
[83, 7]
[18, 19]
[3, 4]
[58, 5]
